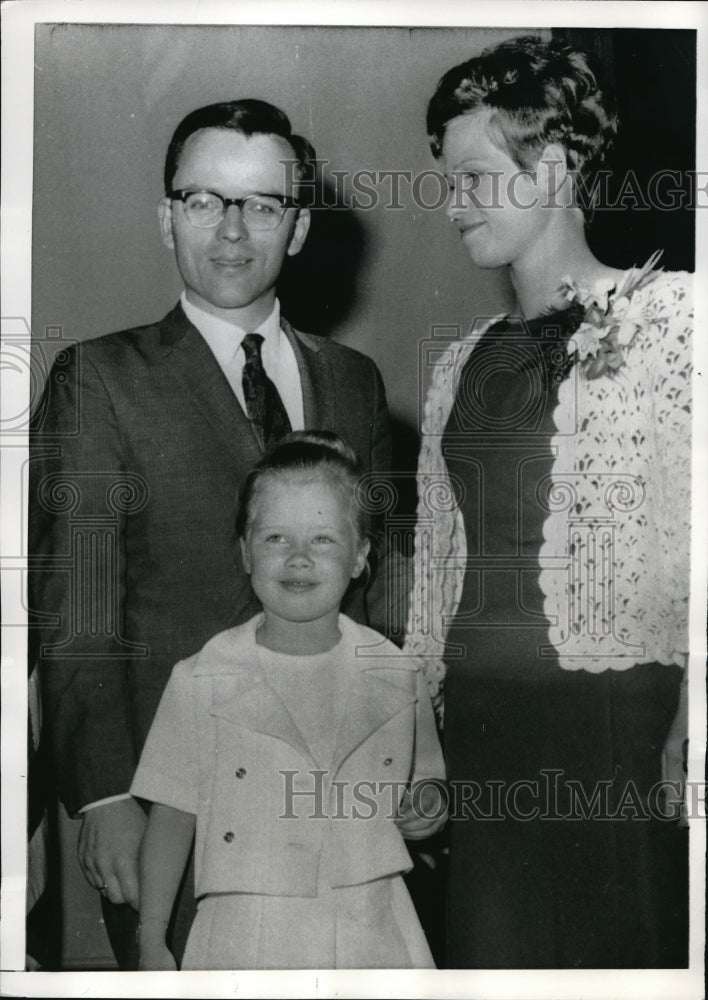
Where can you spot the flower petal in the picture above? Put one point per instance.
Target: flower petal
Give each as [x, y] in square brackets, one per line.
[620, 306]
[625, 333]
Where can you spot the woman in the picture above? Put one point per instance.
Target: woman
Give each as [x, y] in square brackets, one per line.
[551, 585]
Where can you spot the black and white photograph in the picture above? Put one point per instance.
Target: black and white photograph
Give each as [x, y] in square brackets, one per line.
[353, 483]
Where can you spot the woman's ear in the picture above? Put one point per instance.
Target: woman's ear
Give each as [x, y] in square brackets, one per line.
[245, 556]
[553, 176]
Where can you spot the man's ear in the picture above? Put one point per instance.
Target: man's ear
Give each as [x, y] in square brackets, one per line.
[302, 228]
[552, 175]
[245, 556]
[164, 211]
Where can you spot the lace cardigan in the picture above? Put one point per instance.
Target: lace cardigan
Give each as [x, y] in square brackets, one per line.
[615, 556]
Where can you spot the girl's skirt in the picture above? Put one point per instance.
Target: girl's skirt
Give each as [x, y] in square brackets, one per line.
[367, 926]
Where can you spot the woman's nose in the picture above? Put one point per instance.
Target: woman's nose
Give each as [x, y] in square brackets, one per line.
[455, 205]
[232, 226]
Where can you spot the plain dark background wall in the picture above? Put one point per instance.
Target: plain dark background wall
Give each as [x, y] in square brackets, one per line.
[653, 75]
[107, 99]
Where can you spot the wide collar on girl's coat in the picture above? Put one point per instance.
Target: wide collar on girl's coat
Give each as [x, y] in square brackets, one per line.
[244, 697]
[181, 347]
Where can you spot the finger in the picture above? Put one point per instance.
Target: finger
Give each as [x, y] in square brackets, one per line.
[92, 876]
[683, 818]
[113, 890]
[89, 865]
[674, 800]
[89, 855]
[92, 872]
[416, 834]
[413, 829]
[671, 770]
[421, 829]
[83, 849]
[127, 875]
[419, 817]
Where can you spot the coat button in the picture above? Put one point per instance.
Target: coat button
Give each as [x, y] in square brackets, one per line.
[228, 836]
[388, 761]
[240, 772]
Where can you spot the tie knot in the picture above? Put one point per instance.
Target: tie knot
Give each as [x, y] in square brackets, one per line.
[252, 344]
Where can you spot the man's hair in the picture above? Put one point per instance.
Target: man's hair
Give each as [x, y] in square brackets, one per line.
[536, 93]
[249, 117]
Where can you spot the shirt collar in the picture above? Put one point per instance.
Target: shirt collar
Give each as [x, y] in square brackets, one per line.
[223, 337]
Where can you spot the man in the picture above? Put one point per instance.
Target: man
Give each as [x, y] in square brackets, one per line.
[140, 446]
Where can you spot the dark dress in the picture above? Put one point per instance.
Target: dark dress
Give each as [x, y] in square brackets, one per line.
[541, 875]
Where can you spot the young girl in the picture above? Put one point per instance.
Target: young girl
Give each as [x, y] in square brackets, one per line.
[300, 745]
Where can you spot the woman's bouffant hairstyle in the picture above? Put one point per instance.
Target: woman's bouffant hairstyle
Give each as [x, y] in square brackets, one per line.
[316, 452]
[249, 117]
[538, 93]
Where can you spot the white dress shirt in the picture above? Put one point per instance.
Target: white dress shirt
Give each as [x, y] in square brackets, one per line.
[224, 340]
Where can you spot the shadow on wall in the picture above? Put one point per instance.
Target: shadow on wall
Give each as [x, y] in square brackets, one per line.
[405, 444]
[319, 285]
[318, 288]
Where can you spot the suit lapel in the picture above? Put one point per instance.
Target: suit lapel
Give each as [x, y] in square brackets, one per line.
[243, 696]
[260, 709]
[195, 369]
[371, 703]
[186, 353]
[315, 378]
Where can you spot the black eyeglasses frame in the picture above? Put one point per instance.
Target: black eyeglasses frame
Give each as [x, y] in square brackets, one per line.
[285, 201]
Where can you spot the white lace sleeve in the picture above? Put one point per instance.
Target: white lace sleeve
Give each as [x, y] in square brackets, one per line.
[671, 369]
[615, 559]
[440, 542]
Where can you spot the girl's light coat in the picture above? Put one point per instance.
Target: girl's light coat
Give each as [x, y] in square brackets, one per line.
[225, 747]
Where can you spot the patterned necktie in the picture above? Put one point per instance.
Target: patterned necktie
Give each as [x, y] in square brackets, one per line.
[264, 406]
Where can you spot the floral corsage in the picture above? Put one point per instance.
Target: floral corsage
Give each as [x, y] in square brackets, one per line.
[611, 318]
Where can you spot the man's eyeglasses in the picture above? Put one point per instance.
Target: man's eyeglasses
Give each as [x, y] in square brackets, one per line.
[206, 209]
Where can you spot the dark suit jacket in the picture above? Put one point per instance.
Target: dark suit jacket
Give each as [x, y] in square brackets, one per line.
[138, 452]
